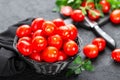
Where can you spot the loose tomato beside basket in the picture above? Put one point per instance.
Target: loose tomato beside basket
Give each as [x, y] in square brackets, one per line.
[41, 50]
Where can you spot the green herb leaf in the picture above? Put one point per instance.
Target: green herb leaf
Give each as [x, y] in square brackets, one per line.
[78, 60]
[59, 4]
[83, 10]
[115, 4]
[79, 65]
[78, 71]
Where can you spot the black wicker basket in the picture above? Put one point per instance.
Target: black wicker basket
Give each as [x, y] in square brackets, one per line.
[44, 67]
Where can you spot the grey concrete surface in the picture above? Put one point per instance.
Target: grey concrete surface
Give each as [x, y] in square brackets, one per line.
[12, 11]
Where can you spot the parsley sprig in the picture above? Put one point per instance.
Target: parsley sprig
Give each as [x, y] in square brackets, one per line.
[79, 65]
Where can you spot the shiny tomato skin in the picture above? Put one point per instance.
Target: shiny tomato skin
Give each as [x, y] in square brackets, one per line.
[94, 14]
[73, 31]
[58, 22]
[77, 16]
[24, 48]
[37, 24]
[23, 30]
[62, 56]
[55, 40]
[66, 11]
[49, 28]
[36, 56]
[116, 55]
[115, 16]
[89, 4]
[90, 51]
[70, 47]
[105, 6]
[100, 43]
[38, 33]
[64, 32]
[39, 43]
[50, 54]
[28, 39]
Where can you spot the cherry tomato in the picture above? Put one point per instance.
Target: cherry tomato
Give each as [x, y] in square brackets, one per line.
[64, 32]
[50, 54]
[59, 22]
[38, 33]
[24, 48]
[66, 10]
[90, 51]
[100, 43]
[116, 55]
[77, 16]
[88, 4]
[36, 56]
[115, 16]
[28, 39]
[23, 30]
[61, 56]
[37, 24]
[105, 6]
[94, 14]
[49, 28]
[39, 43]
[73, 31]
[55, 40]
[70, 48]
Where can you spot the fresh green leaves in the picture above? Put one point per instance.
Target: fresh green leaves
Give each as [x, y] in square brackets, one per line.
[79, 65]
[73, 3]
[115, 4]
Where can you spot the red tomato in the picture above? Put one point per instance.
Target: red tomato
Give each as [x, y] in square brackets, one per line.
[24, 48]
[64, 32]
[59, 22]
[55, 40]
[49, 28]
[28, 39]
[88, 4]
[38, 33]
[66, 10]
[36, 56]
[61, 56]
[94, 14]
[90, 51]
[70, 48]
[105, 6]
[39, 43]
[50, 54]
[24, 30]
[37, 24]
[77, 16]
[116, 55]
[100, 43]
[73, 31]
[115, 16]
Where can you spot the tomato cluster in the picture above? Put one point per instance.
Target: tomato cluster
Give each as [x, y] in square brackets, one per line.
[48, 41]
[89, 9]
[92, 50]
[98, 44]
